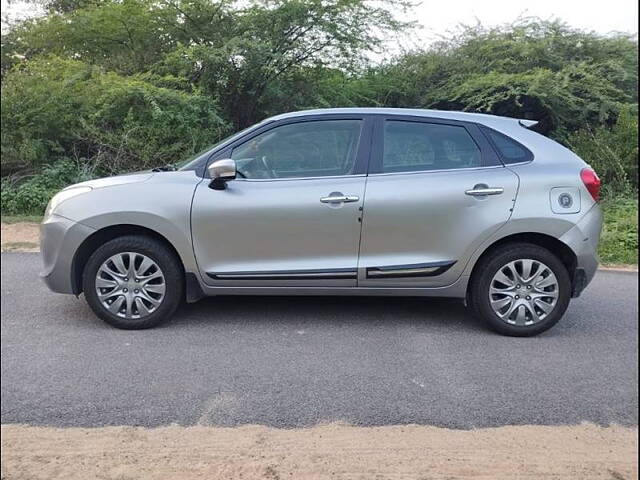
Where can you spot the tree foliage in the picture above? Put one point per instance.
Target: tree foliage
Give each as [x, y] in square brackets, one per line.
[612, 152]
[226, 49]
[127, 84]
[546, 71]
[58, 108]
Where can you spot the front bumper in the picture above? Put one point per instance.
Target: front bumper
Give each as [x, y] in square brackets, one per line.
[583, 240]
[59, 242]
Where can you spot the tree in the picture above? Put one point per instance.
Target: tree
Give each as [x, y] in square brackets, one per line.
[180, 73]
[542, 70]
[227, 49]
[55, 108]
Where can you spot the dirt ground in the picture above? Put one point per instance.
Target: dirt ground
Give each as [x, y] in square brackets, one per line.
[20, 237]
[324, 452]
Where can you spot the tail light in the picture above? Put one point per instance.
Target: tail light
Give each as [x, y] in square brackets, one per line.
[591, 181]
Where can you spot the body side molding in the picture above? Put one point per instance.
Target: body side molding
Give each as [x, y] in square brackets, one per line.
[411, 270]
[321, 274]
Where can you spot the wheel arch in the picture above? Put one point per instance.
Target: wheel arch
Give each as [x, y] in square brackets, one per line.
[103, 235]
[560, 249]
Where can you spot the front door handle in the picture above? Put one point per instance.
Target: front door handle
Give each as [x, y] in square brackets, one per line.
[340, 199]
[483, 190]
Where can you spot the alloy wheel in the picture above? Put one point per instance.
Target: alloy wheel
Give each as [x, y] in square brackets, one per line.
[130, 285]
[523, 292]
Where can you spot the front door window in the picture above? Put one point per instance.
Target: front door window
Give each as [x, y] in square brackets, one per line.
[300, 150]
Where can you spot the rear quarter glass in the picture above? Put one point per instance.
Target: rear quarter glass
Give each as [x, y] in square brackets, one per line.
[509, 150]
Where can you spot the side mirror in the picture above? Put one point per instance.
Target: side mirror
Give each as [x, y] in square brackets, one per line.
[221, 171]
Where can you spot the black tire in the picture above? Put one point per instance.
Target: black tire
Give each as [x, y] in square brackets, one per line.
[489, 265]
[157, 251]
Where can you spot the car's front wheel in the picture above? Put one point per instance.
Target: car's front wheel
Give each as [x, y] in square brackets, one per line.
[133, 282]
[520, 290]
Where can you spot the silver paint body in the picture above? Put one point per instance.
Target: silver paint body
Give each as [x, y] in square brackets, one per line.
[276, 225]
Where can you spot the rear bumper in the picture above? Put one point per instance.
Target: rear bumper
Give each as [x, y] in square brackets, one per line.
[583, 240]
[59, 241]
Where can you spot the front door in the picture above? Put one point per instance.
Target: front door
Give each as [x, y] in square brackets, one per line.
[435, 192]
[292, 216]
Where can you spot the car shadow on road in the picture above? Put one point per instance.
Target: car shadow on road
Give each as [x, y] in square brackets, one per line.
[335, 310]
[429, 315]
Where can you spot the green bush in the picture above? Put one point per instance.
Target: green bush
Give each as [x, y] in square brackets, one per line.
[126, 85]
[619, 241]
[53, 107]
[29, 196]
[565, 78]
[612, 152]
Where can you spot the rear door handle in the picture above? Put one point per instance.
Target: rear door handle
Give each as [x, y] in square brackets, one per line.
[340, 199]
[484, 190]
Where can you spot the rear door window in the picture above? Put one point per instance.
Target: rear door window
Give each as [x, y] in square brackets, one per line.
[420, 146]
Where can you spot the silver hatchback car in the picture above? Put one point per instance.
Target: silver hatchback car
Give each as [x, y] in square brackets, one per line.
[359, 201]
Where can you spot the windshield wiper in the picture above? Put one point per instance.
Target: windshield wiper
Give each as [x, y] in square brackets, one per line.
[166, 168]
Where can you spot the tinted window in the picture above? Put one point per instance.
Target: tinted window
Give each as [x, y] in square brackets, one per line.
[510, 150]
[307, 149]
[413, 146]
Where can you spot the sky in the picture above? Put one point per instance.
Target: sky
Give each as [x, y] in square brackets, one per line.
[438, 17]
[602, 16]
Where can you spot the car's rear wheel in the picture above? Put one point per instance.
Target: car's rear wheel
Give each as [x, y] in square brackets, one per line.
[133, 282]
[520, 290]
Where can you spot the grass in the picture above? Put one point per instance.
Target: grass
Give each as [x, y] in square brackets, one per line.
[618, 245]
[619, 241]
[19, 246]
[21, 218]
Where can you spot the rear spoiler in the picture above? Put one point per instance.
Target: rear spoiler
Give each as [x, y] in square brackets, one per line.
[528, 123]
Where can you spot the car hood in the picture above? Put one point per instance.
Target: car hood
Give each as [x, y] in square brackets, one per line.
[116, 180]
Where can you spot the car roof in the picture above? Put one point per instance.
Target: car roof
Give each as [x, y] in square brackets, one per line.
[483, 118]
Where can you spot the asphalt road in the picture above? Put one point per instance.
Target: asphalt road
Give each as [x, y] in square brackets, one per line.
[301, 361]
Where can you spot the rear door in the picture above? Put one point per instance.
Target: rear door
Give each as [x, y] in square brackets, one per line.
[435, 191]
[292, 216]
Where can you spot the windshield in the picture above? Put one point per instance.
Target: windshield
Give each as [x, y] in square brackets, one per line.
[193, 159]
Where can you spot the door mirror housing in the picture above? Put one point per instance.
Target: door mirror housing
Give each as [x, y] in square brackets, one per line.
[221, 171]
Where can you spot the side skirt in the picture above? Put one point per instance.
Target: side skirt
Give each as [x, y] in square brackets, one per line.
[457, 289]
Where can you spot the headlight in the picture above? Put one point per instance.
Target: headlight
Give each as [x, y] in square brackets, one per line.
[63, 195]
